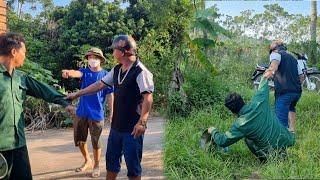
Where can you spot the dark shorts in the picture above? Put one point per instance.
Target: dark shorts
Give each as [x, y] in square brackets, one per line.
[119, 144]
[18, 164]
[81, 126]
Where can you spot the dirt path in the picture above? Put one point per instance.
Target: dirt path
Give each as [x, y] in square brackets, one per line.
[54, 156]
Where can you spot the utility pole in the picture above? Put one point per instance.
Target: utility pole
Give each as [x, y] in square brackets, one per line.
[313, 30]
[3, 16]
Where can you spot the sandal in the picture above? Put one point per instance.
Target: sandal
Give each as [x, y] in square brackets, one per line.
[96, 172]
[87, 165]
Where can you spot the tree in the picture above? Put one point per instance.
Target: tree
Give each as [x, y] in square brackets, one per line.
[274, 22]
[313, 32]
[204, 36]
[138, 17]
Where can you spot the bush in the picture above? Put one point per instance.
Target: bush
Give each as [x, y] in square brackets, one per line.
[177, 105]
[202, 89]
[40, 115]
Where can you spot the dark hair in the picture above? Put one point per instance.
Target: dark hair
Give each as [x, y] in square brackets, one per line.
[8, 41]
[234, 102]
[129, 44]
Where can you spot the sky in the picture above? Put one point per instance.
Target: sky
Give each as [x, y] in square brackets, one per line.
[233, 8]
[61, 2]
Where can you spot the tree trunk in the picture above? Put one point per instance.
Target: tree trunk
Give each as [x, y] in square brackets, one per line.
[20, 11]
[176, 84]
[313, 30]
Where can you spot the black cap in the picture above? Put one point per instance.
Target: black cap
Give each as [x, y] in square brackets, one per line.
[124, 43]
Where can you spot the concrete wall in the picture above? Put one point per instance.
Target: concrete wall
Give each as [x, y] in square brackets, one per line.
[3, 16]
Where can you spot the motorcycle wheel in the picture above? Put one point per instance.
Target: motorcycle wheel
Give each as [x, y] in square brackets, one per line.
[314, 84]
[257, 81]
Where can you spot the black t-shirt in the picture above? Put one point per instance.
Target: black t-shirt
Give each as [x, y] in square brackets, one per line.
[128, 89]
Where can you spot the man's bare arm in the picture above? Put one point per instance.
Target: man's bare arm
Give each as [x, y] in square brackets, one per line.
[140, 127]
[272, 68]
[146, 107]
[93, 88]
[110, 99]
[302, 78]
[71, 73]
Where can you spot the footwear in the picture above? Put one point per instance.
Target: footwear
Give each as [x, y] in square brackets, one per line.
[87, 165]
[96, 172]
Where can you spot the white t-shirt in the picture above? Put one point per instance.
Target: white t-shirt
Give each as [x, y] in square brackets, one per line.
[274, 56]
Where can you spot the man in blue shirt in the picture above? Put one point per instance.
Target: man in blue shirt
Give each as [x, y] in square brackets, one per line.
[90, 111]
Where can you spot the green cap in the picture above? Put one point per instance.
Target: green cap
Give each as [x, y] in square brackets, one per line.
[97, 52]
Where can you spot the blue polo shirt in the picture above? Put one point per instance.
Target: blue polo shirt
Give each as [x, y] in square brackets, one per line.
[92, 106]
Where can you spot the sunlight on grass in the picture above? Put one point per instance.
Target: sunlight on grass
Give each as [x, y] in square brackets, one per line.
[185, 160]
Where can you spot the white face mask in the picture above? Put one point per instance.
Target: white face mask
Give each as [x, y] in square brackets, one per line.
[94, 63]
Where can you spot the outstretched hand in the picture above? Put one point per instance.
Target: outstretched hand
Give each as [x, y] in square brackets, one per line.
[65, 74]
[71, 96]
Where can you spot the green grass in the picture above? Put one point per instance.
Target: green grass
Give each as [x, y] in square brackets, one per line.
[185, 160]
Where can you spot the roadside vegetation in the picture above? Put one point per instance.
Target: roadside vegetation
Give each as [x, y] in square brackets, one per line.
[184, 159]
[235, 60]
[196, 55]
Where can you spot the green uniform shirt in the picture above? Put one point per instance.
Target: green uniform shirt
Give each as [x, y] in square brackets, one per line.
[257, 122]
[13, 91]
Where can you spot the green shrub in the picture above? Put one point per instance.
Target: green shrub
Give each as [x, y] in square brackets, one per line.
[177, 105]
[202, 89]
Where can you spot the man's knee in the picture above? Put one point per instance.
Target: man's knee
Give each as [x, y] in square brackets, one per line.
[255, 150]
[81, 143]
[95, 132]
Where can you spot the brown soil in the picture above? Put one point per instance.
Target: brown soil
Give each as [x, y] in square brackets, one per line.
[54, 156]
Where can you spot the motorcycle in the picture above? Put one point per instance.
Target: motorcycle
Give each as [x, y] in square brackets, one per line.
[311, 75]
[257, 75]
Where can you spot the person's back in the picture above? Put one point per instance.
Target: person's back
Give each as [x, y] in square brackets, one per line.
[259, 123]
[286, 79]
[287, 76]
[256, 122]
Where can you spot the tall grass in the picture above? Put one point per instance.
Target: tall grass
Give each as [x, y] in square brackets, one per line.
[185, 160]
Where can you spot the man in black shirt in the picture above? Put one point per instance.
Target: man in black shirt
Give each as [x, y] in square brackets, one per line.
[133, 88]
[287, 76]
